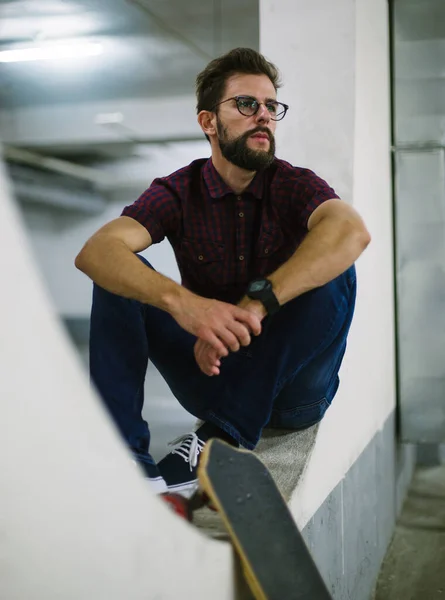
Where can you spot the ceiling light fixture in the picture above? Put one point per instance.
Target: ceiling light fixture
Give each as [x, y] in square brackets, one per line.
[51, 52]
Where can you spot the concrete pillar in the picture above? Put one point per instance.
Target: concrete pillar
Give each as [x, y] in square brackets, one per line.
[313, 45]
[334, 60]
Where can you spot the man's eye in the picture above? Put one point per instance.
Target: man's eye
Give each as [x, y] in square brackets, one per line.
[247, 103]
[272, 107]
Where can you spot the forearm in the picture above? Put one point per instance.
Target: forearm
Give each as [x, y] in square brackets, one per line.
[113, 266]
[328, 250]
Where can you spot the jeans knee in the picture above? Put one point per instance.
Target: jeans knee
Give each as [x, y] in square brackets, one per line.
[300, 417]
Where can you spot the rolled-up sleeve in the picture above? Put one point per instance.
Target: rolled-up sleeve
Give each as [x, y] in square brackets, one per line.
[309, 192]
[157, 209]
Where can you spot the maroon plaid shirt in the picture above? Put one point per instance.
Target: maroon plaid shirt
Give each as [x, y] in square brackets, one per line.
[222, 240]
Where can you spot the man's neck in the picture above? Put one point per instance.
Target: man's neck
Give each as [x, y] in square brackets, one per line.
[237, 179]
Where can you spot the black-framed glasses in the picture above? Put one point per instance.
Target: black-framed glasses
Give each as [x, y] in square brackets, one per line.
[249, 106]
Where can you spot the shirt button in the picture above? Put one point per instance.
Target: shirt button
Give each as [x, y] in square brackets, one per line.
[241, 214]
[200, 257]
[266, 251]
[241, 257]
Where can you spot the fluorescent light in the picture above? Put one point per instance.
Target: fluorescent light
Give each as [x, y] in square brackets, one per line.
[51, 52]
[109, 118]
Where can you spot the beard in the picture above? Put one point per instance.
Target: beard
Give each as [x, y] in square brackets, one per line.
[237, 152]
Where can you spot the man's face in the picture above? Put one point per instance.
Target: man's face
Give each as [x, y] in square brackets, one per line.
[247, 142]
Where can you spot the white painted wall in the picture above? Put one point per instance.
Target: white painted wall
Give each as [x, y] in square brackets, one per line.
[334, 58]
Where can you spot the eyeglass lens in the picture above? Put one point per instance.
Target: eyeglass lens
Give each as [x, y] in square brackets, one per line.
[249, 106]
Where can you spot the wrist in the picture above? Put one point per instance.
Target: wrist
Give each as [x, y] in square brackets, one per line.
[174, 299]
[254, 306]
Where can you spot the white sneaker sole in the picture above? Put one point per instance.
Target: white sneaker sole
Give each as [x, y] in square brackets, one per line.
[158, 485]
[186, 490]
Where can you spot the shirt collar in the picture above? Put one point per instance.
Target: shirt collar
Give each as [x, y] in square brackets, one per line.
[218, 188]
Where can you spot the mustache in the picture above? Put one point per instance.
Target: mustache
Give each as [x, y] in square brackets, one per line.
[260, 129]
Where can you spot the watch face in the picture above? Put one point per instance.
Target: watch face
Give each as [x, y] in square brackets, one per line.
[257, 286]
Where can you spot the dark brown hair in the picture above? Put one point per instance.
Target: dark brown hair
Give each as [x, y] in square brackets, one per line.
[211, 82]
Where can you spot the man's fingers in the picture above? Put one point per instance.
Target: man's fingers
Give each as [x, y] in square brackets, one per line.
[199, 355]
[242, 333]
[216, 343]
[207, 358]
[210, 369]
[249, 319]
[229, 339]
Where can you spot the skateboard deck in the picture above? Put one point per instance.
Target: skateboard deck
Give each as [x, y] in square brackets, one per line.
[275, 559]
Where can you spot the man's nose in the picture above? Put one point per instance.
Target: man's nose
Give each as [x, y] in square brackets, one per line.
[263, 115]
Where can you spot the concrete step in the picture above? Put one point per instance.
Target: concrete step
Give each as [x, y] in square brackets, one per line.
[285, 453]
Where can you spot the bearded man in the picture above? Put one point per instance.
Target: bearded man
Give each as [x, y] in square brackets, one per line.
[255, 334]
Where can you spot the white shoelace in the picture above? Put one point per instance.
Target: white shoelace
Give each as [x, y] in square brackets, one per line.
[190, 448]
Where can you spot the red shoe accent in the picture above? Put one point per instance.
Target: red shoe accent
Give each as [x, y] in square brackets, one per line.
[178, 504]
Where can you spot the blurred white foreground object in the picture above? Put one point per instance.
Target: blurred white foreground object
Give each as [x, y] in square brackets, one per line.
[77, 521]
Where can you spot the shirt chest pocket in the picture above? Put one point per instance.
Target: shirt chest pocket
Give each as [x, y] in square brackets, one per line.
[270, 243]
[204, 261]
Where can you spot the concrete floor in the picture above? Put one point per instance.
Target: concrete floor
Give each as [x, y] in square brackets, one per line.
[414, 566]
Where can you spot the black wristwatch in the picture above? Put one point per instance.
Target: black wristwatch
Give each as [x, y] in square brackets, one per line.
[261, 289]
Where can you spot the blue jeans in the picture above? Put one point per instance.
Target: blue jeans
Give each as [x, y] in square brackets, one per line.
[286, 378]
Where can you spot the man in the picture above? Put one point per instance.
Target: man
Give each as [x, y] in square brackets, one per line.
[256, 333]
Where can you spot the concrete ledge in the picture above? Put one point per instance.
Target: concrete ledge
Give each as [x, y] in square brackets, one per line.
[350, 532]
[286, 453]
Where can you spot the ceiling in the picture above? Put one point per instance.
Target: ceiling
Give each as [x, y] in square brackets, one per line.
[154, 49]
[151, 48]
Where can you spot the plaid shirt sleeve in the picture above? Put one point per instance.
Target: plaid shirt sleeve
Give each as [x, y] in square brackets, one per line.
[157, 209]
[309, 192]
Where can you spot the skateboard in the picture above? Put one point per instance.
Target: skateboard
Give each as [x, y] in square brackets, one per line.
[275, 559]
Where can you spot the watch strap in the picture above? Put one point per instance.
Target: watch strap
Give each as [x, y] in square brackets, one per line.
[270, 302]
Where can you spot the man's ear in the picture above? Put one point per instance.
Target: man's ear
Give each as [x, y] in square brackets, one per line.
[206, 120]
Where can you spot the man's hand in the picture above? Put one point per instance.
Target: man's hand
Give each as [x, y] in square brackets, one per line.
[207, 357]
[253, 306]
[221, 325]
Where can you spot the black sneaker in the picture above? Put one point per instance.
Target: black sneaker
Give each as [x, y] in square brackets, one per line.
[179, 468]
